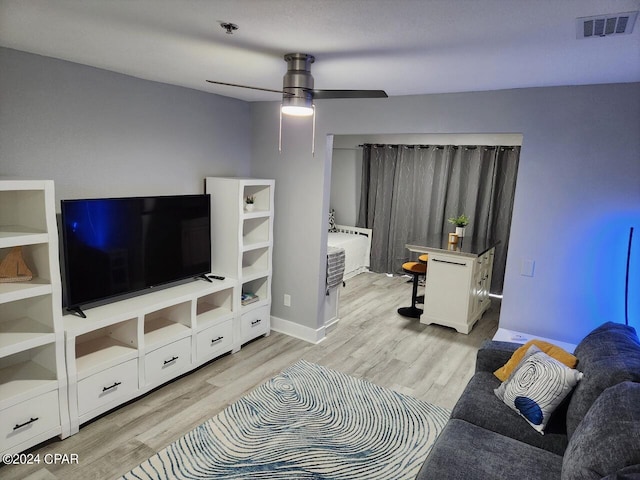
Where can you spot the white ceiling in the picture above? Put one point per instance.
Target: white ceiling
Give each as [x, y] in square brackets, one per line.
[401, 46]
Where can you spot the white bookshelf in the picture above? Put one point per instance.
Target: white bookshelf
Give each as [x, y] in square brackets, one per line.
[33, 381]
[242, 245]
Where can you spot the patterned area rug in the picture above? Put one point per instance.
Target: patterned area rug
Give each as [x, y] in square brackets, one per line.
[308, 422]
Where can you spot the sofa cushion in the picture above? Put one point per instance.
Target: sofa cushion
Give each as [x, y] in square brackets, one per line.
[608, 438]
[493, 354]
[607, 356]
[537, 386]
[464, 451]
[631, 472]
[480, 406]
[550, 349]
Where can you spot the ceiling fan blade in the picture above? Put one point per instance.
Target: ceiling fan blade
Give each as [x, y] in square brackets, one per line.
[246, 86]
[322, 94]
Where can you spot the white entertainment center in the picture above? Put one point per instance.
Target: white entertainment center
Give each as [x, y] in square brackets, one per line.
[57, 372]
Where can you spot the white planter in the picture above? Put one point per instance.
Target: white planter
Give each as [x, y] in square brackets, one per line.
[248, 207]
[460, 231]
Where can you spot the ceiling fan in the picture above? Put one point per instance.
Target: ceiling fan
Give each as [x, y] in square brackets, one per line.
[298, 92]
[297, 87]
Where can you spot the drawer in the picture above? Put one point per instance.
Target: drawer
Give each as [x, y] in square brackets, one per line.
[112, 384]
[255, 323]
[168, 361]
[214, 341]
[28, 419]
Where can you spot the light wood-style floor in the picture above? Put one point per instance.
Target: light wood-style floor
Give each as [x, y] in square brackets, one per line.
[371, 341]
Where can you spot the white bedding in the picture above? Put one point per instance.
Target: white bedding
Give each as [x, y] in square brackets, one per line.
[356, 251]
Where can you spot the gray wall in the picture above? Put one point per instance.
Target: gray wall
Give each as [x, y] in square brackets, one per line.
[99, 133]
[346, 174]
[578, 193]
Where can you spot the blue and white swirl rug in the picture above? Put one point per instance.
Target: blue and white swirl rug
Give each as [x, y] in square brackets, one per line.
[308, 422]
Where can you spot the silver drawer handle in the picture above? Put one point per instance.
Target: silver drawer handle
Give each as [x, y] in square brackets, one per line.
[25, 423]
[450, 263]
[104, 389]
[172, 359]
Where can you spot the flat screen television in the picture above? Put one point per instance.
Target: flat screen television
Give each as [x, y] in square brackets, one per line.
[118, 247]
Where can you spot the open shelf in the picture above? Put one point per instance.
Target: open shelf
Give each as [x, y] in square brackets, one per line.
[10, 292]
[25, 208]
[261, 195]
[214, 308]
[167, 325]
[105, 347]
[36, 256]
[255, 263]
[26, 324]
[24, 375]
[260, 287]
[23, 333]
[255, 231]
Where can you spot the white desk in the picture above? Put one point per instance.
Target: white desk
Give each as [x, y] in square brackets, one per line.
[458, 281]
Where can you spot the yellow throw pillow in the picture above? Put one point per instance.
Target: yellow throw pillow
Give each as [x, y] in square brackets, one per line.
[550, 349]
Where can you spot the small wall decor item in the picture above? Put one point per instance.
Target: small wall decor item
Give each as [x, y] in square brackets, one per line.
[461, 221]
[249, 203]
[13, 268]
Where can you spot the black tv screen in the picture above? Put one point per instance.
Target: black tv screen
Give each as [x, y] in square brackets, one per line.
[119, 246]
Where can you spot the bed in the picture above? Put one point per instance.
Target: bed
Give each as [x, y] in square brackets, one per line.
[356, 243]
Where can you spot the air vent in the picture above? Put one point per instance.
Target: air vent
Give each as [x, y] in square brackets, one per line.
[606, 25]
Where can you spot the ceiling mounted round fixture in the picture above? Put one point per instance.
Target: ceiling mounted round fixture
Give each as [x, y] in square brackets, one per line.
[229, 27]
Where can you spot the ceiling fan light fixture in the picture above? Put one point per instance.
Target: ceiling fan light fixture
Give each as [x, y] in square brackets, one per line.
[295, 111]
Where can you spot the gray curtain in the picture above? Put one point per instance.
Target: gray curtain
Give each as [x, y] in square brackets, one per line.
[409, 191]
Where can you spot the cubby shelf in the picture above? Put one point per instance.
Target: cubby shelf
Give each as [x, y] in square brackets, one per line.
[98, 354]
[23, 333]
[25, 380]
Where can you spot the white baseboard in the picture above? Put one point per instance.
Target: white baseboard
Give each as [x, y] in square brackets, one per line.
[505, 335]
[298, 331]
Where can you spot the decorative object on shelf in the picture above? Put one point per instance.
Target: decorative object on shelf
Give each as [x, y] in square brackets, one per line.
[13, 268]
[461, 221]
[249, 203]
[453, 239]
[248, 298]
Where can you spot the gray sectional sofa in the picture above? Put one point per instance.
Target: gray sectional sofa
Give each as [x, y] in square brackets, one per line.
[594, 433]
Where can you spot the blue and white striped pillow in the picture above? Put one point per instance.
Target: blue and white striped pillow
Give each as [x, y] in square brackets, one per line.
[537, 386]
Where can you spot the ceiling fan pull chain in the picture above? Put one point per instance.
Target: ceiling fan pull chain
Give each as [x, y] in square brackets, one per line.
[280, 132]
[313, 132]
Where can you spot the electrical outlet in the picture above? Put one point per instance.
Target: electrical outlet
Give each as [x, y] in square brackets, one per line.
[287, 300]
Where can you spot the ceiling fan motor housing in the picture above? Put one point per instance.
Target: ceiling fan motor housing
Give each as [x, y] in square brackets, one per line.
[298, 82]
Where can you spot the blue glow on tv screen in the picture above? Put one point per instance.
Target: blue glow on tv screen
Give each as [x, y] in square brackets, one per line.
[115, 247]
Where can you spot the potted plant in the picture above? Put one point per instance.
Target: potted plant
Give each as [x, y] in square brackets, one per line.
[248, 203]
[461, 221]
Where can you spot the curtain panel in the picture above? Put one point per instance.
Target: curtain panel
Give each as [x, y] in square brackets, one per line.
[409, 191]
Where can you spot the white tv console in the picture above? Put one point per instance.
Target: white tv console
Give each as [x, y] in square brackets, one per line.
[124, 349]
